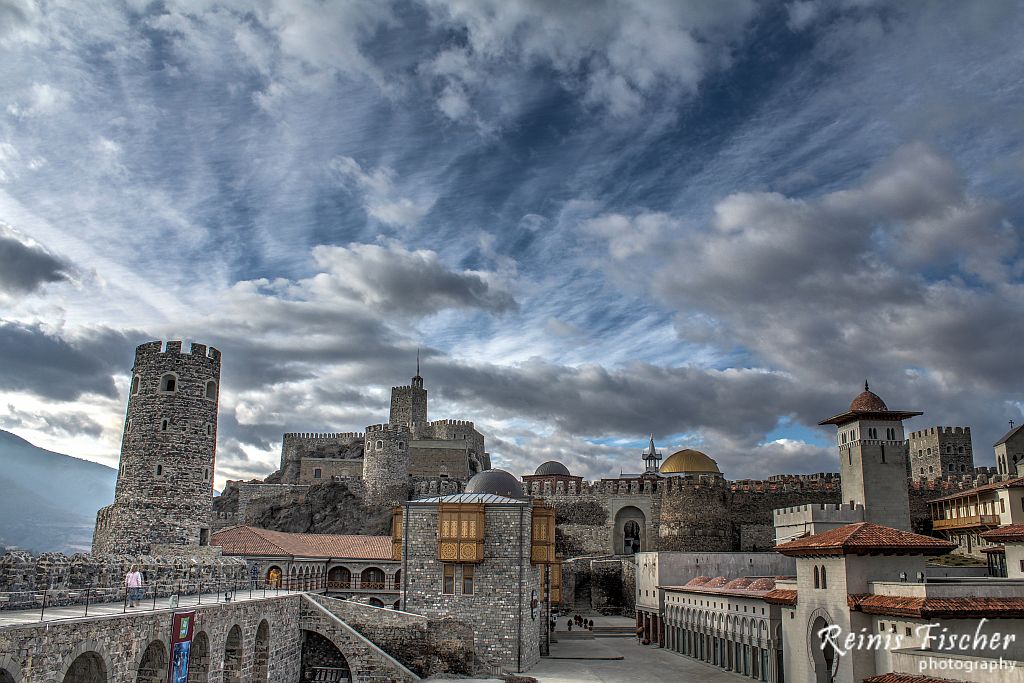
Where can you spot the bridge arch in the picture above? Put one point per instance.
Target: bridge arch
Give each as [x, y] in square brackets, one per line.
[153, 665]
[199, 659]
[321, 654]
[10, 672]
[89, 662]
[233, 655]
[261, 653]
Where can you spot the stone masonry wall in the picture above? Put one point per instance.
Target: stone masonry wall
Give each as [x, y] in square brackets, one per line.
[928, 452]
[43, 653]
[164, 486]
[426, 646]
[499, 608]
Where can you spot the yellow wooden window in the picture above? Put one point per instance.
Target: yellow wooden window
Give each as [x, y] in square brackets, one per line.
[460, 532]
[542, 547]
[448, 583]
[396, 534]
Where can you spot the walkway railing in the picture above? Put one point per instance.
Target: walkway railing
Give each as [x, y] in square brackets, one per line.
[355, 584]
[75, 603]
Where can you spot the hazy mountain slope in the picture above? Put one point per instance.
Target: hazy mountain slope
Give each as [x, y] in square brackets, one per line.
[48, 501]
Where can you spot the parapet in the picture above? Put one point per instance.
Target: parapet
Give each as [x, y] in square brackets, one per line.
[938, 429]
[820, 512]
[454, 423]
[321, 436]
[395, 429]
[153, 349]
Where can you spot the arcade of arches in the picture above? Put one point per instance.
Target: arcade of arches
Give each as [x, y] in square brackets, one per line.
[233, 656]
[154, 664]
[321, 659]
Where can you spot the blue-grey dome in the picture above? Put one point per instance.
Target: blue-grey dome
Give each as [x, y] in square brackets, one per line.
[498, 482]
[553, 467]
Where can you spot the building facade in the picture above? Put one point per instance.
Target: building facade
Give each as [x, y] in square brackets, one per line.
[164, 493]
[358, 568]
[1010, 450]
[962, 517]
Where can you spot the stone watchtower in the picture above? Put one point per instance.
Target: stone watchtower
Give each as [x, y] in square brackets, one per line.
[873, 459]
[409, 403]
[386, 462]
[164, 495]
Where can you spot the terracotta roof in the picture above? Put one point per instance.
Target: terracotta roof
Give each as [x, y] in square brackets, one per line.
[994, 549]
[906, 678]
[247, 540]
[865, 538]
[780, 596]
[868, 404]
[1003, 534]
[1016, 483]
[937, 608]
[743, 587]
[868, 400]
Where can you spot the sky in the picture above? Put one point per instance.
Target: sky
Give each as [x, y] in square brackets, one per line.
[709, 221]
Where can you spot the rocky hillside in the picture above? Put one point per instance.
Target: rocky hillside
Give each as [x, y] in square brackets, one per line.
[328, 508]
[48, 501]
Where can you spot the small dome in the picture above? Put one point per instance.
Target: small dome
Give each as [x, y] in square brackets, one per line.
[498, 482]
[698, 581]
[868, 400]
[552, 467]
[716, 582]
[689, 461]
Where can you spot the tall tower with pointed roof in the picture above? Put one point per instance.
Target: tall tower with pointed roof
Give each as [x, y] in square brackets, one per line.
[873, 459]
[651, 457]
[409, 403]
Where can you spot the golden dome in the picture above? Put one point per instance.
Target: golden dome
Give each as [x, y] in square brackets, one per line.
[689, 461]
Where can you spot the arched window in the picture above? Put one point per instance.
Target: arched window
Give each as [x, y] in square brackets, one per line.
[159, 470]
[817, 581]
[960, 450]
[380, 444]
[136, 380]
[165, 424]
[169, 383]
[372, 577]
[211, 390]
[824, 578]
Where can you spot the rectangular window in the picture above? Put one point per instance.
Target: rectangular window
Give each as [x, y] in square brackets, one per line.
[317, 473]
[467, 579]
[448, 585]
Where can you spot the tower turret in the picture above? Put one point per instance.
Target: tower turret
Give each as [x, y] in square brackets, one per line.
[386, 463]
[873, 459]
[164, 493]
[651, 457]
[409, 403]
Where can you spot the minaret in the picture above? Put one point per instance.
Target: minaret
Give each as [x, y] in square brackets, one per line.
[651, 457]
[873, 460]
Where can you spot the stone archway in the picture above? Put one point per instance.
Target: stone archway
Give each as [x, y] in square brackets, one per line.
[88, 667]
[233, 655]
[629, 535]
[153, 667]
[274, 577]
[339, 579]
[6, 676]
[10, 671]
[261, 653]
[823, 654]
[199, 659]
[322, 660]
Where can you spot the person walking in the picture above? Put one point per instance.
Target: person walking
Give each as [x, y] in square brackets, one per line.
[133, 584]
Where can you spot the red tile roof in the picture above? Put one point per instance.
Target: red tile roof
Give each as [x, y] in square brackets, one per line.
[865, 538]
[743, 587]
[780, 596]
[906, 678]
[247, 540]
[698, 581]
[1015, 483]
[937, 608]
[1004, 534]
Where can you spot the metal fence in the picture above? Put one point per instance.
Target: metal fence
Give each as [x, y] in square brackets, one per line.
[74, 603]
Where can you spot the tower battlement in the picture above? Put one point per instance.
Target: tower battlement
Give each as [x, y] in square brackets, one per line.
[321, 436]
[398, 429]
[153, 349]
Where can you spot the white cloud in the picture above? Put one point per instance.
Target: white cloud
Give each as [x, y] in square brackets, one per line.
[381, 197]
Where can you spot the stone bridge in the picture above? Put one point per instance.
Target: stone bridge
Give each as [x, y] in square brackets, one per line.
[285, 639]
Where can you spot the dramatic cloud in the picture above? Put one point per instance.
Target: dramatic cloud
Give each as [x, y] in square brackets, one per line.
[70, 424]
[25, 266]
[596, 220]
[46, 364]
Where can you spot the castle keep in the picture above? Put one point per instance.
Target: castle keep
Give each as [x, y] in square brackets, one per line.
[388, 457]
[164, 493]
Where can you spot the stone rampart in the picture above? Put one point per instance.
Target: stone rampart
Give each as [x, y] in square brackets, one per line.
[426, 646]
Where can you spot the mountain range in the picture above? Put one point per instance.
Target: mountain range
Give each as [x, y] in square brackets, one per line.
[48, 501]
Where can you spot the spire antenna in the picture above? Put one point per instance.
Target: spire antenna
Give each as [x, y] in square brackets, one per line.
[866, 386]
[417, 361]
